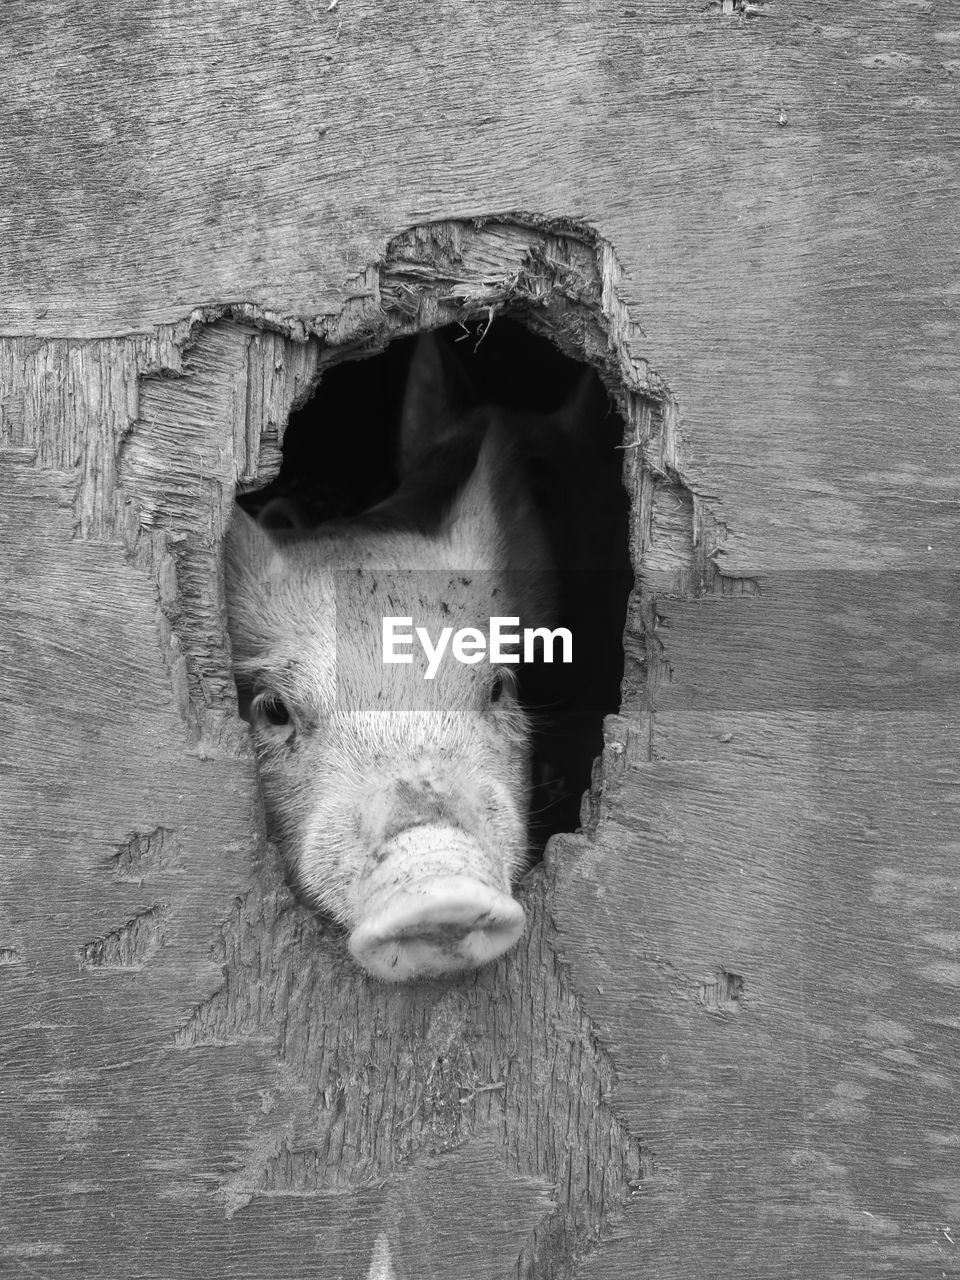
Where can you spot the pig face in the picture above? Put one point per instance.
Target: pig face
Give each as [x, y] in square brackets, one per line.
[399, 802]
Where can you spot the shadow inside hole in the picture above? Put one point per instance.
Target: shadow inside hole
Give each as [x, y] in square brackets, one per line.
[340, 458]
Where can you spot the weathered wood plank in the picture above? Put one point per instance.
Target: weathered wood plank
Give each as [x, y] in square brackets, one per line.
[779, 191]
[776, 983]
[182, 972]
[781, 195]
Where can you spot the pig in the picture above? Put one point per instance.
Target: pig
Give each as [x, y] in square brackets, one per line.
[399, 803]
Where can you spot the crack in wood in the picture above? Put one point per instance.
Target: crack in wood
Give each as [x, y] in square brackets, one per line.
[145, 854]
[129, 946]
[723, 993]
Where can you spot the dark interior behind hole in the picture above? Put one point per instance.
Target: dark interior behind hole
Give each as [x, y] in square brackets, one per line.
[339, 459]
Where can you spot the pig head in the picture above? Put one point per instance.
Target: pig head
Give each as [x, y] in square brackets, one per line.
[399, 802]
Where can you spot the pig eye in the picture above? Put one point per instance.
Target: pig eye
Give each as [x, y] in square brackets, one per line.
[273, 709]
[501, 681]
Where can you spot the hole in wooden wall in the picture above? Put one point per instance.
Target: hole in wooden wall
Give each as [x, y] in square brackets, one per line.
[340, 456]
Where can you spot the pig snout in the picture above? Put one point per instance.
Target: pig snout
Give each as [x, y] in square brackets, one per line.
[435, 903]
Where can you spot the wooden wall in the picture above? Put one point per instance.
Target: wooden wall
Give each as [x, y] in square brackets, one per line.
[727, 1046]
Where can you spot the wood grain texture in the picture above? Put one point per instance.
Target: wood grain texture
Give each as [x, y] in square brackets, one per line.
[779, 191]
[758, 947]
[804, 1125]
[231, 1065]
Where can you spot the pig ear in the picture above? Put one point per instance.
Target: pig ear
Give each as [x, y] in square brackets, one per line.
[473, 522]
[251, 554]
[437, 396]
[251, 559]
[575, 422]
[494, 522]
[247, 543]
[584, 405]
[283, 515]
